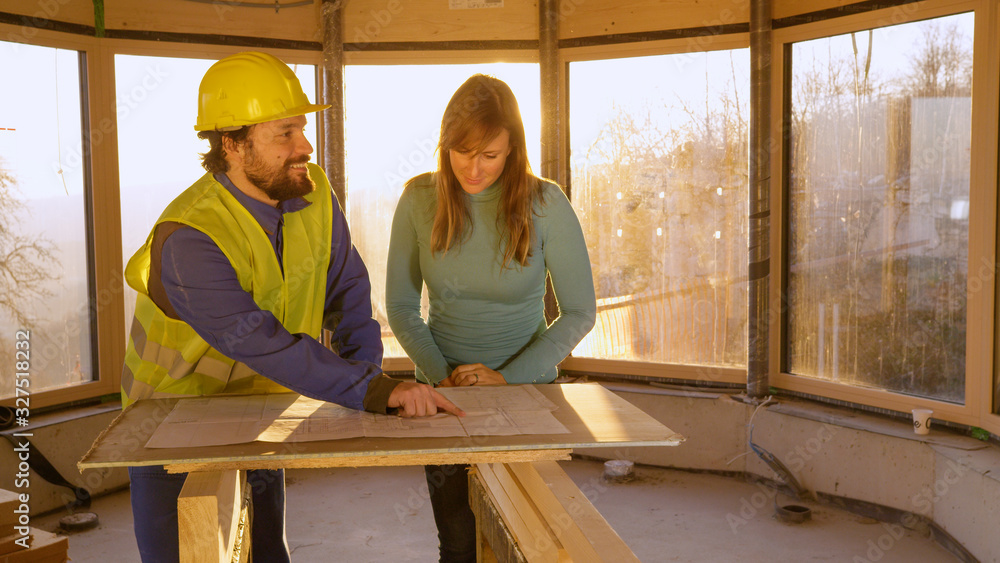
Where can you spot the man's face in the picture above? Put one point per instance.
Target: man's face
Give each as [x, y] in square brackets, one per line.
[275, 157]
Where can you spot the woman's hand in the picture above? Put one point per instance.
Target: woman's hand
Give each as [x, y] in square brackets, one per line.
[473, 374]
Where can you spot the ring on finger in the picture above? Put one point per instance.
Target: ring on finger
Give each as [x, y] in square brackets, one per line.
[477, 378]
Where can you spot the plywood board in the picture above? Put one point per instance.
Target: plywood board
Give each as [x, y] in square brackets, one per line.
[216, 18]
[36, 12]
[588, 18]
[594, 416]
[787, 8]
[375, 21]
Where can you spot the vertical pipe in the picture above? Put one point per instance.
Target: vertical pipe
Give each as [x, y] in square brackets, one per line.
[331, 75]
[548, 63]
[821, 340]
[836, 342]
[548, 58]
[759, 205]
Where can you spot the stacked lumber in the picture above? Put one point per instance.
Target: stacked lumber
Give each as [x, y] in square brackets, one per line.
[545, 514]
[213, 517]
[35, 546]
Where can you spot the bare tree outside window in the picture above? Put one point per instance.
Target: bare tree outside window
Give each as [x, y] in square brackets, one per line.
[25, 263]
[44, 283]
[879, 223]
[25, 270]
[660, 170]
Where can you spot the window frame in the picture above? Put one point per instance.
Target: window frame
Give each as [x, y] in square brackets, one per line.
[981, 318]
[983, 338]
[102, 191]
[402, 365]
[698, 374]
[102, 217]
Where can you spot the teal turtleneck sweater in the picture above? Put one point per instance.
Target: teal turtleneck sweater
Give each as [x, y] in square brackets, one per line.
[480, 313]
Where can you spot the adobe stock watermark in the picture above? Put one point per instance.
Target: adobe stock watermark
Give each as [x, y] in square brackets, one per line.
[567, 8]
[699, 44]
[420, 159]
[366, 34]
[136, 437]
[922, 503]
[47, 10]
[50, 351]
[224, 7]
[417, 497]
[795, 459]
[126, 101]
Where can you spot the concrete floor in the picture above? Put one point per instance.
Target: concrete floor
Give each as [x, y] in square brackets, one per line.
[375, 514]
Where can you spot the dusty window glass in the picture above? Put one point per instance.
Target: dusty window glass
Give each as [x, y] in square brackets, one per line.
[392, 129]
[44, 280]
[879, 207]
[158, 149]
[659, 181]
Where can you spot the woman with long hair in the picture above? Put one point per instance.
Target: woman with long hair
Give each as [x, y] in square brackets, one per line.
[483, 233]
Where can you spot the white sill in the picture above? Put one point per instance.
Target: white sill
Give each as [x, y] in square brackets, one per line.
[982, 457]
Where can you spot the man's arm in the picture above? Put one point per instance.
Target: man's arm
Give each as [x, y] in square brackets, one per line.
[356, 335]
[347, 311]
[348, 307]
[203, 290]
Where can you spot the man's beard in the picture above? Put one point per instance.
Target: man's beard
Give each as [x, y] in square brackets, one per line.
[281, 184]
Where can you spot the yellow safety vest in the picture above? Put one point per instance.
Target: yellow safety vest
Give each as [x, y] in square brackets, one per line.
[166, 357]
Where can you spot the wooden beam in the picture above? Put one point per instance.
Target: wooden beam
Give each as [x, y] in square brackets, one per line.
[8, 518]
[442, 458]
[45, 547]
[570, 514]
[531, 534]
[208, 517]
[545, 540]
[495, 540]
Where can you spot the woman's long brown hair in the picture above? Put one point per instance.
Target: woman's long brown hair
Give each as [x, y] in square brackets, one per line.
[478, 111]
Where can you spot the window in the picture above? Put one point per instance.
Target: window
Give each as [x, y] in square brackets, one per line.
[879, 196]
[659, 181]
[158, 148]
[44, 281]
[393, 124]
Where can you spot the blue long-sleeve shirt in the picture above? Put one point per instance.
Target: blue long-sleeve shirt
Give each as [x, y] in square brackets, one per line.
[203, 291]
[479, 311]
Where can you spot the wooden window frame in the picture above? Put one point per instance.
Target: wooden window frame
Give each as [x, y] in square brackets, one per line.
[981, 318]
[704, 375]
[982, 340]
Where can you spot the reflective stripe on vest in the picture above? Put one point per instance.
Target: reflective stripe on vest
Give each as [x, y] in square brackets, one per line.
[166, 357]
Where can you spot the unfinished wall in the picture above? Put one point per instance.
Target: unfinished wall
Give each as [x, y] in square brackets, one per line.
[62, 438]
[838, 454]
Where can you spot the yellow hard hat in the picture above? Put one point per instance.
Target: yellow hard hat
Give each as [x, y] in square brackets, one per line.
[248, 88]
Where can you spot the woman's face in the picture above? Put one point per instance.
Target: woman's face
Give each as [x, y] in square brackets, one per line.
[477, 171]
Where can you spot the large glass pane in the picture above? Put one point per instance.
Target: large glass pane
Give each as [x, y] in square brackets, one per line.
[392, 134]
[879, 207]
[659, 181]
[158, 148]
[44, 283]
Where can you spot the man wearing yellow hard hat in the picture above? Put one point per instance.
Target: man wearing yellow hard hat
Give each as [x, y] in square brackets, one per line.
[236, 282]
